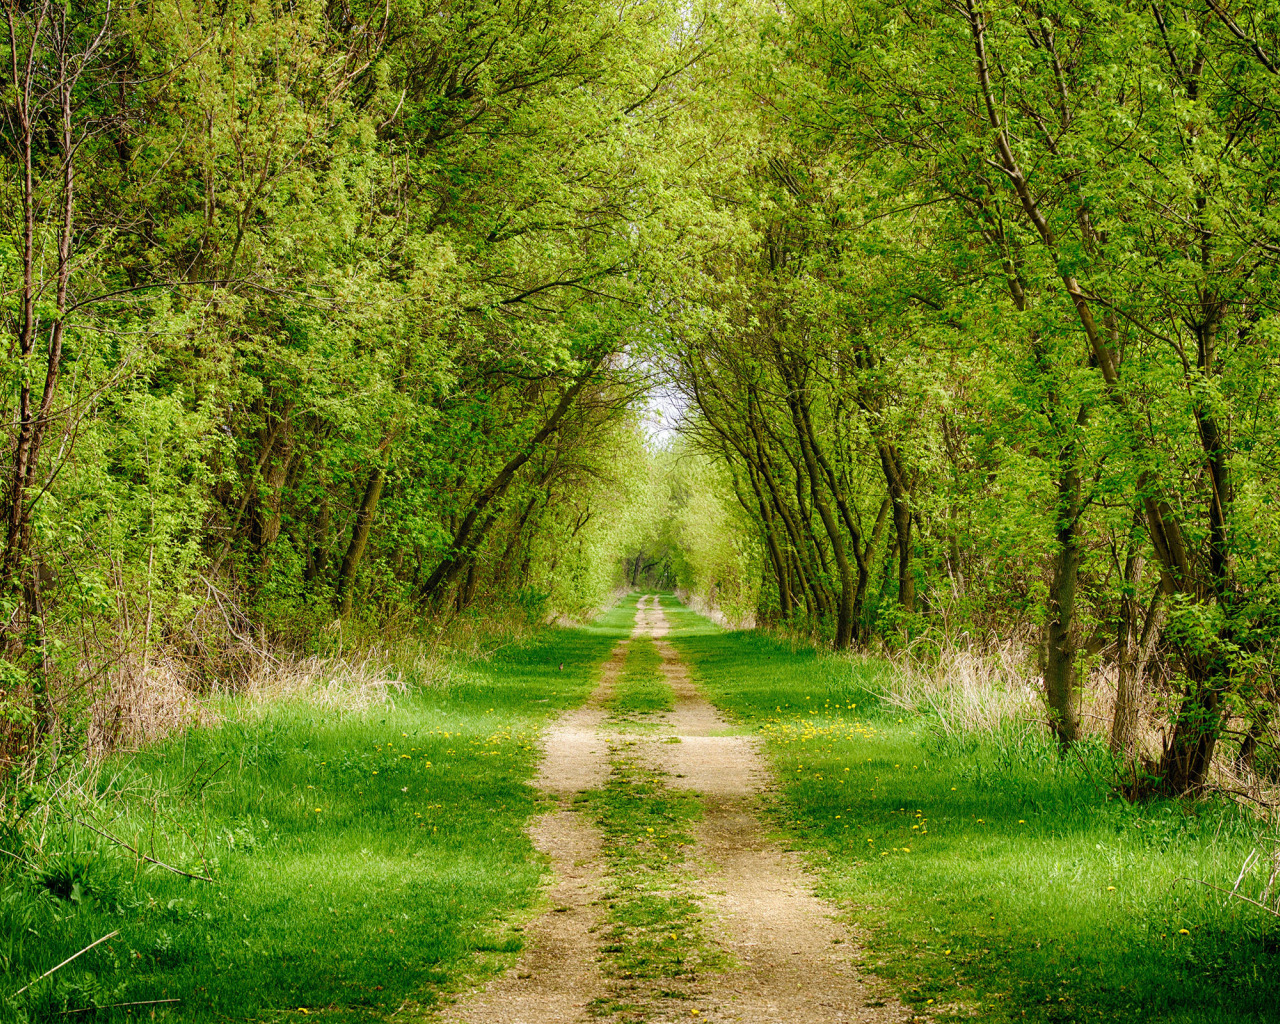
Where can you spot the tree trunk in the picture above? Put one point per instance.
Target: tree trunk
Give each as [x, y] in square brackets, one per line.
[359, 538]
[799, 414]
[846, 516]
[1134, 649]
[806, 577]
[761, 507]
[318, 552]
[34, 109]
[900, 499]
[1061, 676]
[1185, 764]
[471, 532]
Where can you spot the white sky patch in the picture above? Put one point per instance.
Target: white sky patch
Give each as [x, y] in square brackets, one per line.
[663, 409]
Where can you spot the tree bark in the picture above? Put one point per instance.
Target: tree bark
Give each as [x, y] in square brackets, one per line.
[1061, 675]
[360, 537]
[33, 110]
[848, 586]
[1134, 653]
[1258, 726]
[900, 499]
[805, 576]
[785, 601]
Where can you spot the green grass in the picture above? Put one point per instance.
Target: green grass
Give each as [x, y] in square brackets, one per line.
[617, 622]
[684, 621]
[641, 691]
[362, 862]
[654, 921]
[996, 881]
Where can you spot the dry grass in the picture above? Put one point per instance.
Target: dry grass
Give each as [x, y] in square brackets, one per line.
[980, 688]
[967, 687]
[219, 654]
[140, 705]
[725, 618]
[142, 702]
[344, 685]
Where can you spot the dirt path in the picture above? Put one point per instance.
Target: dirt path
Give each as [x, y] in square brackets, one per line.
[558, 976]
[793, 963]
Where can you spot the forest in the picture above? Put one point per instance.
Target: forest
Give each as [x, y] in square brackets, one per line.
[354, 345]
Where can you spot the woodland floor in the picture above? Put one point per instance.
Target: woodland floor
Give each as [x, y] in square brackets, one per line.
[755, 943]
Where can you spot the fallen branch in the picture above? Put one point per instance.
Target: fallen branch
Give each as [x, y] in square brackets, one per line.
[1230, 892]
[109, 935]
[138, 853]
[112, 1006]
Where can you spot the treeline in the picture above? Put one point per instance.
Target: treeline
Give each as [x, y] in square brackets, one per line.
[318, 310]
[1001, 353]
[330, 312]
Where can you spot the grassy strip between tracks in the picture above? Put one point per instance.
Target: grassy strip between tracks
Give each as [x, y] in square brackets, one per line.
[363, 863]
[993, 880]
[641, 692]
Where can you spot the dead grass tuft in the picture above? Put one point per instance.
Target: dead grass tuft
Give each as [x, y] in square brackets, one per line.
[967, 687]
[141, 702]
[726, 617]
[344, 685]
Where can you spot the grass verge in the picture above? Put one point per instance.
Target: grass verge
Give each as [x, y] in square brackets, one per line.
[994, 880]
[362, 863]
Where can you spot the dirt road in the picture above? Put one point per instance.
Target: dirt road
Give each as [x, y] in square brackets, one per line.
[790, 961]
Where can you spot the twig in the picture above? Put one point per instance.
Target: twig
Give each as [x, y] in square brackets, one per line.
[1229, 892]
[1240, 792]
[1244, 869]
[109, 935]
[138, 853]
[112, 1006]
[17, 858]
